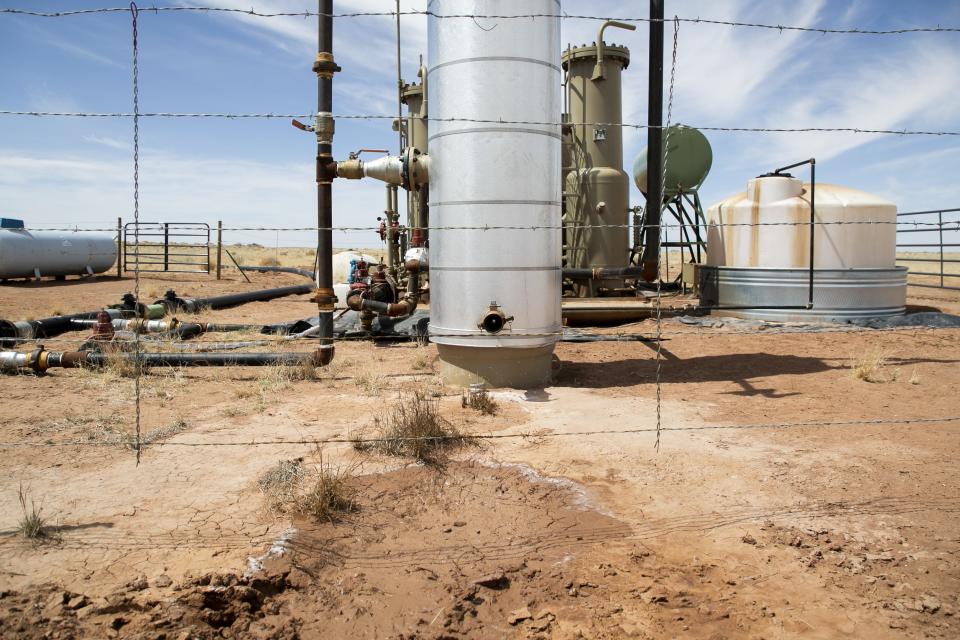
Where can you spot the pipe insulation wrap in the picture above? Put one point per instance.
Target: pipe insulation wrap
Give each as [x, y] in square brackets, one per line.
[490, 174]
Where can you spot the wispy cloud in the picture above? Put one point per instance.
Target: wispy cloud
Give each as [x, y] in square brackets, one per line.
[106, 141]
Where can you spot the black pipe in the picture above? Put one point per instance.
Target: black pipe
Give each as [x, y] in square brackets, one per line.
[193, 305]
[813, 216]
[651, 247]
[13, 332]
[300, 272]
[600, 273]
[325, 66]
[78, 359]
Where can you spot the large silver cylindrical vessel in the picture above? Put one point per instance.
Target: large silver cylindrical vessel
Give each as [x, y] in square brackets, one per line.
[494, 91]
[25, 253]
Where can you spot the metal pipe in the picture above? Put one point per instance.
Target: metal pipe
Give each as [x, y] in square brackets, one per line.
[599, 273]
[598, 68]
[813, 217]
[12, 332]
[325, 66]
[41, 360]
[651, 248]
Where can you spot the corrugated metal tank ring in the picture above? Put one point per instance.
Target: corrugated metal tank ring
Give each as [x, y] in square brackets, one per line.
[839, 295]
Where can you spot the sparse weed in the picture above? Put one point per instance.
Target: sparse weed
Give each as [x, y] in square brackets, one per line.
[280, 484]
[414, 428]
[872, 367]
[323, 493]
[370, 382]
[914, 376]
[421, 361]
[480, 401]
[32, 524]
[328, 494]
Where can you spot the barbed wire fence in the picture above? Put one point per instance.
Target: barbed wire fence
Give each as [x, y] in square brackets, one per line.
[656, 336]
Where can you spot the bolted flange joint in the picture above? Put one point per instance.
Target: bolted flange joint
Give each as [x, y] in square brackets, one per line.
[325, 66]
[325, 299]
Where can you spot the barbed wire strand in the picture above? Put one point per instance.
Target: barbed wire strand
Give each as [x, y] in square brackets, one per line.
[136, 217]
[695, 330]
[497, 436]
[565, 16]
[391, 117]
[946, 225]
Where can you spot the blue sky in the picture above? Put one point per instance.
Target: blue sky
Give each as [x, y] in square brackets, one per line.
[78, 170]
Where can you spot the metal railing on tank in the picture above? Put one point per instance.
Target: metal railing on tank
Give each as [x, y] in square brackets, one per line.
[933, 259]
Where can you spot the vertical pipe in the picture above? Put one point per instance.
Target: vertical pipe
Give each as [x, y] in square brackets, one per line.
[813, 225]
[388, 235]
[219, 246]
[651, 249]
[325, 67]
[399, 86]
[166, 246]
[119, 246]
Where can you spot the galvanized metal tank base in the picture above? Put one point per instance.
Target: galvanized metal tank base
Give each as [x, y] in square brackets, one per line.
[839, 295]
[519, 368]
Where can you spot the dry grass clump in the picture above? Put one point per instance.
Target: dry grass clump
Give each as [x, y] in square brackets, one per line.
[873, 367]
[914, 377]
[323, 493]
[119, 363]
[480, 401]
[370, 382]
[269, 261]
[32, 524]
[279, 484]
[414, 428]
[422, 360]
[328, 494]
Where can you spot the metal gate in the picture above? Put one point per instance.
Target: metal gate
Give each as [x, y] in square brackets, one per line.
[934, 262]
[181, 247]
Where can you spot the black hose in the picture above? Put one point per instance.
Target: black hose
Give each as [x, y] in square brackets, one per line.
[294, 270]
[193, 305]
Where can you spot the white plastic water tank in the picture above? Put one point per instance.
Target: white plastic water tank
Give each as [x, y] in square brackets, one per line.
[768, 226]
[24, 253]
[487, 173]
[758, 254]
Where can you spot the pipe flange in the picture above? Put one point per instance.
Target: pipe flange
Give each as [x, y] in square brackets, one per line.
[494, 320]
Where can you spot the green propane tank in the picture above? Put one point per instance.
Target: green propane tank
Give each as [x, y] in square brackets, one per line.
[688, 161]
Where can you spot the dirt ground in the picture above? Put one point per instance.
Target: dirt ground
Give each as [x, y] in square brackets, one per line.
[721, 532]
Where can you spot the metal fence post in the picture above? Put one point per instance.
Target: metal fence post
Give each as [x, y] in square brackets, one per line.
[940, 229]
[219, 246]
[166, 246]
[119, 245]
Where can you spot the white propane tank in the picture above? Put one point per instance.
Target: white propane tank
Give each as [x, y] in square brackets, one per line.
[758, 254]
[495, 294]
[25, 253]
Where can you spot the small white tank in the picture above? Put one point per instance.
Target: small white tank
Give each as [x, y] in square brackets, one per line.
[733, 241]
[758, 254]
[25, 253]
